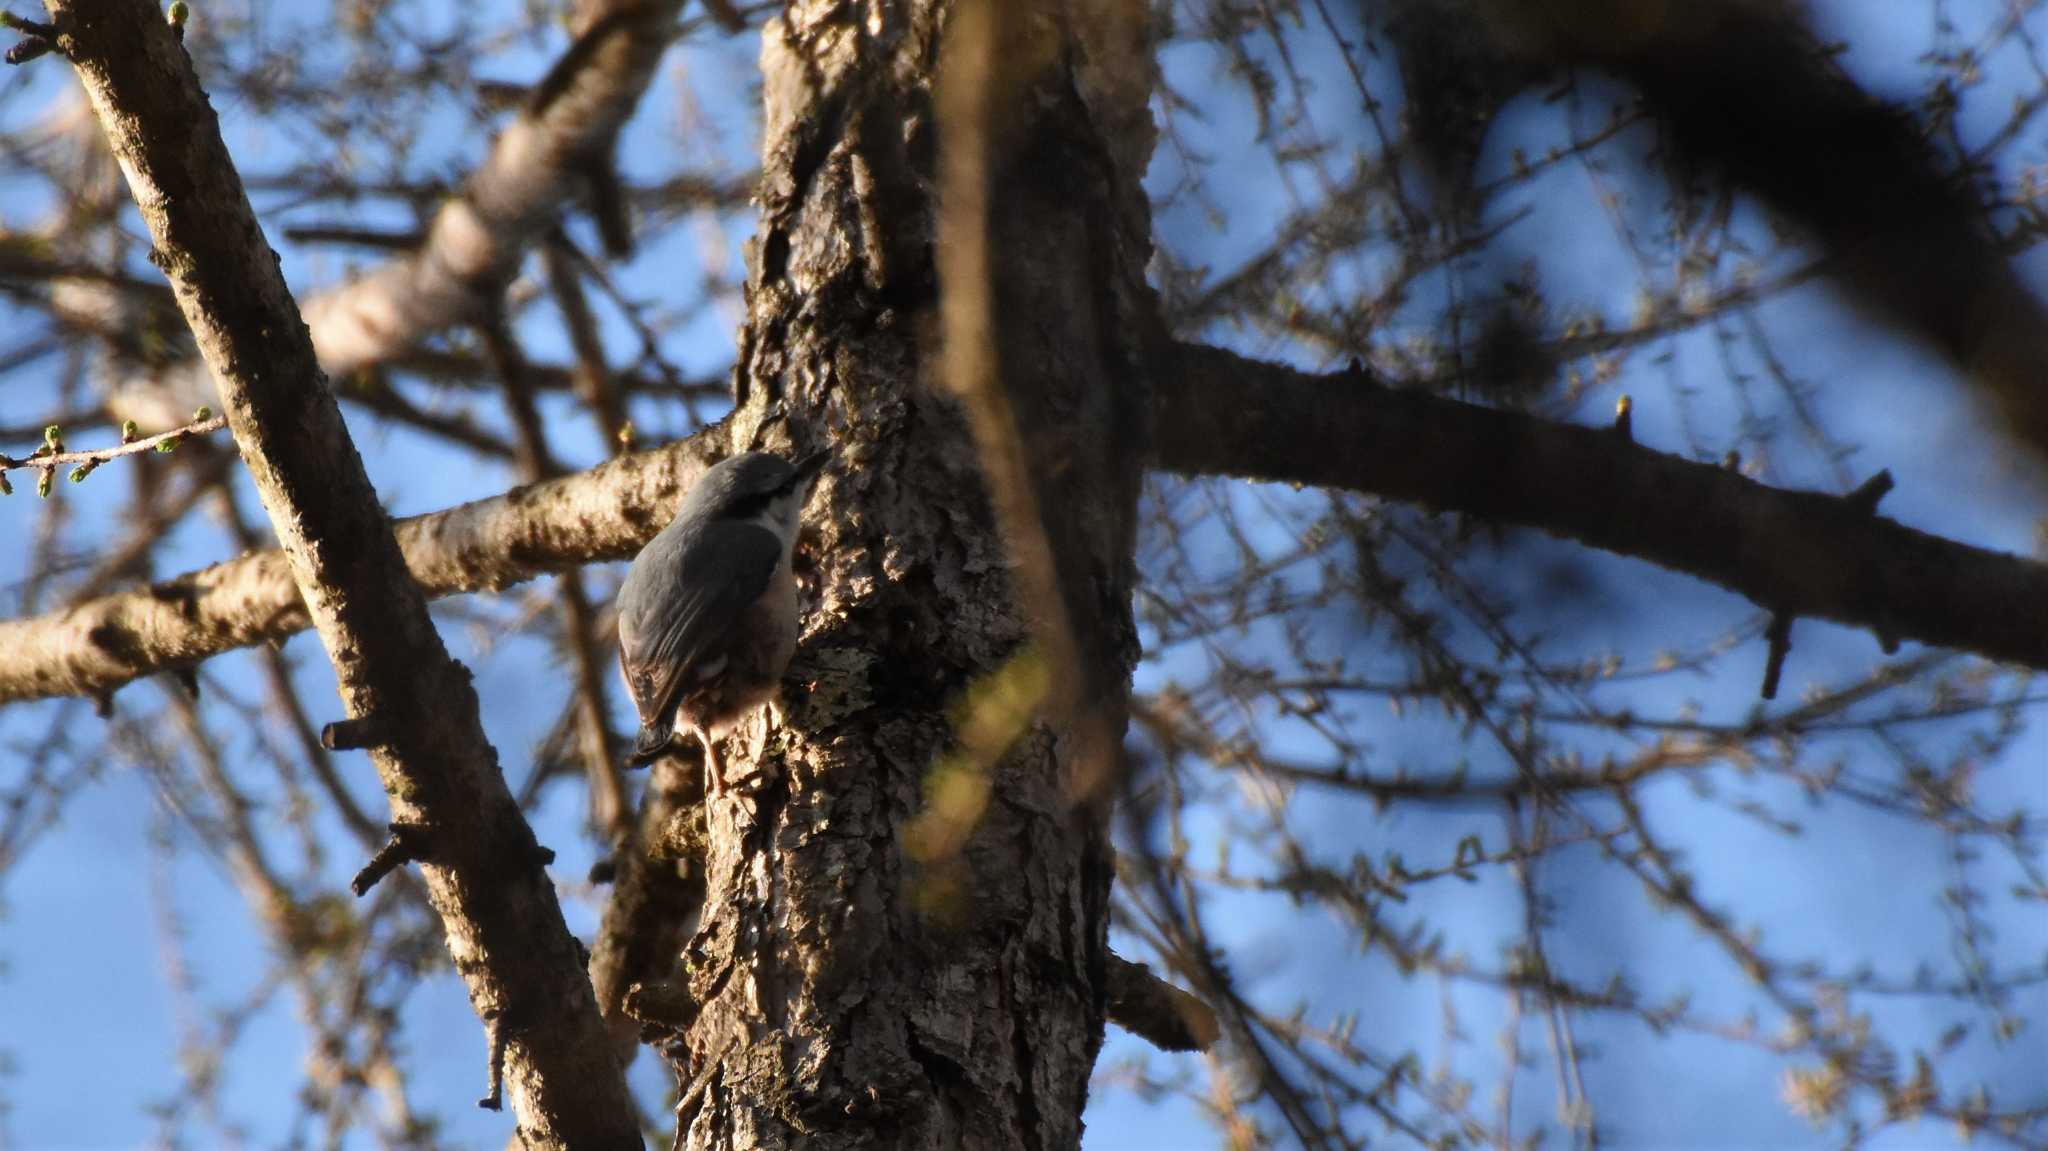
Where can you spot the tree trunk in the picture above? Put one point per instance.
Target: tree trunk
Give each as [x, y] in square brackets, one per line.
[904, 935]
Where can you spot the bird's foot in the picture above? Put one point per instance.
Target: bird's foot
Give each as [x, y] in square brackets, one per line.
[714, 772]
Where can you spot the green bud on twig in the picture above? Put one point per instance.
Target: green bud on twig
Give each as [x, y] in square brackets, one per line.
[6, 486]
[43, 482]
[203, 414]
[169, 444]
[83, 470]
[53, 437]
[128, 431]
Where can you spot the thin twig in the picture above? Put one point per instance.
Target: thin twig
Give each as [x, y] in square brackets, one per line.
[51, 457]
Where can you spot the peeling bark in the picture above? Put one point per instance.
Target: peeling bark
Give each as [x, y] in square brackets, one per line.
[484, 873]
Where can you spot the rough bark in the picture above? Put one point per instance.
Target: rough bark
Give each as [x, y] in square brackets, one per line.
[1796, 553]
[485, 874]
[851, 985]
[657, 896]
[1016, 261]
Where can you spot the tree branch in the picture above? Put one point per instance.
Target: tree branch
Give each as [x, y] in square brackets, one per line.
[484, 872]
[1795, 553]
[475, 242]
[606, 513]
[52, 456]
[1749, 91]
[1803, 553]
[1155, 1010]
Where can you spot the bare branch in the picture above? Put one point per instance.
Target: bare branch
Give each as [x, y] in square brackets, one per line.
[605, 513]
[1794, 553]
[406, 845]
[475, 242]
[1157, 1011]
[505, 931]
[1749, 91]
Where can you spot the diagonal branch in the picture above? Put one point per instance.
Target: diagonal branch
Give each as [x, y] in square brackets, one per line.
[538, 163]
[484, 873]
[1795, 553]
[541, 162]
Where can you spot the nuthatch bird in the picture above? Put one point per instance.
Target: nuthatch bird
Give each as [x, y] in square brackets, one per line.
[708, 612]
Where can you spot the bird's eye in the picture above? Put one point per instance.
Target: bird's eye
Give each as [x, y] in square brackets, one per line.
[747, 507]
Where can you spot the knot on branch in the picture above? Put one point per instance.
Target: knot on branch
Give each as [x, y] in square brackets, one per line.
[531, 851]
[1157, 1011]
[1863, 501]
[408, 843]
[494, 1095]
[666, 1008]
[1864, 498]
[540, 854]
[364, 731]
[1780, 636]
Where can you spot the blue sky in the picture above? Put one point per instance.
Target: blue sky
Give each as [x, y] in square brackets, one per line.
[92, 1025]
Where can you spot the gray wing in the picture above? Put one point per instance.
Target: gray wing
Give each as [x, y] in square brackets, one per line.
[706, 582]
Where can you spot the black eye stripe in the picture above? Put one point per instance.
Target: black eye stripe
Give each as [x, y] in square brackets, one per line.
[747, 507]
